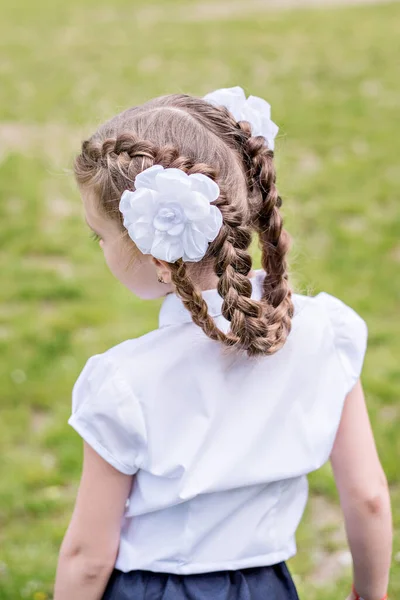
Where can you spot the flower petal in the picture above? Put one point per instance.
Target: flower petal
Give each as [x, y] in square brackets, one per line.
[232, 98]
[125, 202]
[142, 234]
[173, 182]
[259, 105]
[143, 203]
[205, 185]
[126, 222]
[195, 244]
[270, 131]
[254, 118]
[167, 247]
[254, 110]
[140, 231]
[168, 215]
[176, 229]
[211, 225]
[147, 178]
[195, 206]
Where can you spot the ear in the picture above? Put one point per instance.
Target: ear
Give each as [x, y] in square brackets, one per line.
[163, 270]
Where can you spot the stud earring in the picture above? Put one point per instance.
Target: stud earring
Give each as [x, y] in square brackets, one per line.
[160, 279]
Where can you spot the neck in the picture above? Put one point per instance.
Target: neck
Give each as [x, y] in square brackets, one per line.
[209, 281]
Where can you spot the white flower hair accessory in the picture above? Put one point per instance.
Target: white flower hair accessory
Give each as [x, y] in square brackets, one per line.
[253, 109]
[170, 215]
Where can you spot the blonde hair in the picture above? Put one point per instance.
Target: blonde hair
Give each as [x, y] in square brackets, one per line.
[188, 133]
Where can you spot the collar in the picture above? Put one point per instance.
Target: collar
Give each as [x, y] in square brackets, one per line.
[173, 311]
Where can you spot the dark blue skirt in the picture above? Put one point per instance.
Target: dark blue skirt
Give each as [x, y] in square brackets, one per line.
[259, 583]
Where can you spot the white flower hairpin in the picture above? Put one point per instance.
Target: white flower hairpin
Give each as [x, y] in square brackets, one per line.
[254, 110]
[170, 215]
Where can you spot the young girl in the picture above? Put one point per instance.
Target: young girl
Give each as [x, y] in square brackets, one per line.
[198, 437]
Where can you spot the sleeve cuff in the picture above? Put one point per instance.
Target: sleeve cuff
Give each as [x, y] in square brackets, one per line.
[97, 447]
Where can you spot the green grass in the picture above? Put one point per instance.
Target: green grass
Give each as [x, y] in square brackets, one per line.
[332, 79]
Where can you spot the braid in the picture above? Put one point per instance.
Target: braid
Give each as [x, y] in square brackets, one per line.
[111, 164]
[190, 134]
[127, 155]
[268, 222]
[262, 328]
[233, 264]
[193, 300]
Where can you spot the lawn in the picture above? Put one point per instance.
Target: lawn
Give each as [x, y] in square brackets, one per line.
[332, 79]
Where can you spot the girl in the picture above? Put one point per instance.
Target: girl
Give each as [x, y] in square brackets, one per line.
[198, 437]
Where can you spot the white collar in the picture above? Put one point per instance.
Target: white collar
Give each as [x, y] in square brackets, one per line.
[173, 311]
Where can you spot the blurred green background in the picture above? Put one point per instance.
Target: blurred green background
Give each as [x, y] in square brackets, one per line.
[331, 75]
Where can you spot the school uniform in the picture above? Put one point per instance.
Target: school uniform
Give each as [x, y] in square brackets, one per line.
[220, 444]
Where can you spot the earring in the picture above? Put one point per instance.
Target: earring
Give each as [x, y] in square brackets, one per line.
[160, 279]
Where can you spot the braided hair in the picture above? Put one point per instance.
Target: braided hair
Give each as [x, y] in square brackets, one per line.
[188, 133]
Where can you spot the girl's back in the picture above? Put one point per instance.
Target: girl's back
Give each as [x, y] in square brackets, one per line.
[220, 444]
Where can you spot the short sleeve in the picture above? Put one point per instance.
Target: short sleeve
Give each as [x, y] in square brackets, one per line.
[350, 336]
[107, 415]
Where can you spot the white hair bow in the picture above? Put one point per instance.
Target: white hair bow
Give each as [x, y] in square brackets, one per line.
[254, 110]
[170, 214]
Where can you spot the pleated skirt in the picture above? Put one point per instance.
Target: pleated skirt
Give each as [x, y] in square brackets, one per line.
[259, 583]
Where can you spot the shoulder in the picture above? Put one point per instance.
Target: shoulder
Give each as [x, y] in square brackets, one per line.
[332, 308]
[346, 323]
[139, 355]
[348, 329]
[129, 361]
[122, 352]
[106, 410]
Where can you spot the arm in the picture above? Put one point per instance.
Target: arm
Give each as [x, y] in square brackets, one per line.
[89, 549]
[364, 497]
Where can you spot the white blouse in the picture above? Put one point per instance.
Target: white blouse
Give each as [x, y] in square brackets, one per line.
[220, 444]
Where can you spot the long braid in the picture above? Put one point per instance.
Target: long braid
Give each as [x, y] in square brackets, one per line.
[274, 323]
[268, 222]
[193, 300]
[233, 264]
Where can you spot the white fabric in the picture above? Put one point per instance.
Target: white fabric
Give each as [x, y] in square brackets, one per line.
[170, 215]
[221, 445]
[254, 110]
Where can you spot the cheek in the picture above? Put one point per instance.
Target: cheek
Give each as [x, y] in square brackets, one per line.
[133, 269]
[116, 258]
[144, 279]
